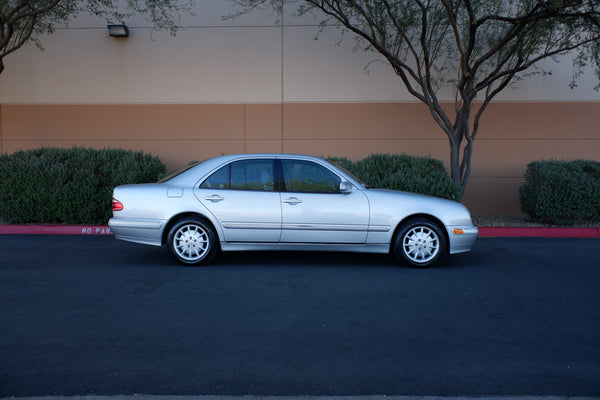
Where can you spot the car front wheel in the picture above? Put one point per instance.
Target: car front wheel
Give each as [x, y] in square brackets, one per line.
[419, 243]
[192, 241]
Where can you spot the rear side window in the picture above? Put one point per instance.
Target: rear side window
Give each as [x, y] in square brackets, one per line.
[306, 176]
[243, 175]
[218, 180]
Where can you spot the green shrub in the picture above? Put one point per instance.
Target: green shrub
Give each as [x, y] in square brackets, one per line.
[561, 192]
[403, 172]
[71, 186]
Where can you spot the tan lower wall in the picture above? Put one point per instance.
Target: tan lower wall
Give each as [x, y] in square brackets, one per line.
[511, 134]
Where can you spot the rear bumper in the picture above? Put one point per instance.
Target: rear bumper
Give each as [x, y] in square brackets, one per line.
[145, 231]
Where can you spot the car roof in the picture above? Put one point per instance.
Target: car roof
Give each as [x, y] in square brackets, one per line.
[210, 165]
[263, 155]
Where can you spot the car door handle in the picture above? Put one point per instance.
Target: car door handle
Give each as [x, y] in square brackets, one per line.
[214, 198]
[292, 200]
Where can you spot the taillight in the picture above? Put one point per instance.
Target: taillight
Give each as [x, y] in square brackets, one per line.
[117, 205]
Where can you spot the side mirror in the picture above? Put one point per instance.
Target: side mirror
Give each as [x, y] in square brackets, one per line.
[345, 187]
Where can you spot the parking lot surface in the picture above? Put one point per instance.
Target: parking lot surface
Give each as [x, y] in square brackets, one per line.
[96, 316]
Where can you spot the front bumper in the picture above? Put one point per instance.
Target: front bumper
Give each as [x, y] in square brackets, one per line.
[462, 242]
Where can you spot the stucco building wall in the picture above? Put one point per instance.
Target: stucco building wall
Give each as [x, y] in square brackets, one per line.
[257, 85]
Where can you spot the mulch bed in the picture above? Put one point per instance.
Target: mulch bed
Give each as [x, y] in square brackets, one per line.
[521, 221]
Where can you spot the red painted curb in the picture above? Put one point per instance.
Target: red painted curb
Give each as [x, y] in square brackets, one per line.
[54, 230]
[483, 231]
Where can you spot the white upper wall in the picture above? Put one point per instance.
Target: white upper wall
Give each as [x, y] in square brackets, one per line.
[198, 65]
[251, 59]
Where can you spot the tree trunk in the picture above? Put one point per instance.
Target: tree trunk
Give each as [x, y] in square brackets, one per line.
[460, 167]
[455, 163]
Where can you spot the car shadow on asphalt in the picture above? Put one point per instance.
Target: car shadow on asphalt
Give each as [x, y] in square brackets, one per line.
[304, 259]
[342, 259]
[147, 256]
[159, 257]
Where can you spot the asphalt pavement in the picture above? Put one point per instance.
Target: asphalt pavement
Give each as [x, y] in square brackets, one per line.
[83, 316]
[248, 397]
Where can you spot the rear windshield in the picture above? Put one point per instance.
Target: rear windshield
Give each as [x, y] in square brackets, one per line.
[177, 173]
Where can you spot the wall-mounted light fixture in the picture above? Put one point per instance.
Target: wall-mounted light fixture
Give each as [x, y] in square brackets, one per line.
[118, 30]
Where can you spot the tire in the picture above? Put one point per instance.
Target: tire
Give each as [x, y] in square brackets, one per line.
[419, 243]
[192, 241]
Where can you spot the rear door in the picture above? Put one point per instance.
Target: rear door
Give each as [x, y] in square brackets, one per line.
[243, 197]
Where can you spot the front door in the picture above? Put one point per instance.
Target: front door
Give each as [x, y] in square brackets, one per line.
[315, 211]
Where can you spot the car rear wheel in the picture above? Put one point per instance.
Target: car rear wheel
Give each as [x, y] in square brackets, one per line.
[192, 241]
[419, 243]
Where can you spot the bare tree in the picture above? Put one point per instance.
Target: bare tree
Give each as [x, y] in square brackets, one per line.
[22, 21]
[477, 48]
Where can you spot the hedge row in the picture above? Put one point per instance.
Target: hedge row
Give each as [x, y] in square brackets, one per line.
[561, 192]
[72, 186]
[403, 172]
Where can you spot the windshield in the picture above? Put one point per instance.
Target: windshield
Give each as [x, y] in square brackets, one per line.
[339, 166]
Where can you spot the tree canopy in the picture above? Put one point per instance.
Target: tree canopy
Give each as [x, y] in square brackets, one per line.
[22, 21]
[477, 48]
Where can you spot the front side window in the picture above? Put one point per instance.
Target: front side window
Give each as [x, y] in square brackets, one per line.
[306, 176]
[243, 175]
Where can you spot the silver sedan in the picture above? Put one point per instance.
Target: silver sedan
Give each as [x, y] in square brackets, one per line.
[285, 202]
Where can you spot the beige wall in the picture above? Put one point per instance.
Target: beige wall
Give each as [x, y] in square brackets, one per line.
[512, 134]
[259, 58]
[261, 83]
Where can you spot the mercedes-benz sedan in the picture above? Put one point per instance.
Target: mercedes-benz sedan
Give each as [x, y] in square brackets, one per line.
[285, 202]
